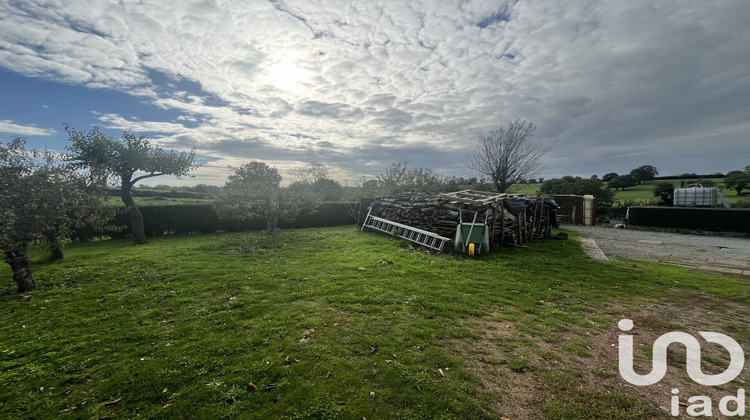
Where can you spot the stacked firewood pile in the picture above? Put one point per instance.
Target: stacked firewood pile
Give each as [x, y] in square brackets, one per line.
[513, 220]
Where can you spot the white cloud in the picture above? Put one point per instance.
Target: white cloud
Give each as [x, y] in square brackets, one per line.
[383, 80]
[114, 121]
[7, 126]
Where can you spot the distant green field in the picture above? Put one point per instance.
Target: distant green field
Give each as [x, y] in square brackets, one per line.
[524, 188]
[643, 192]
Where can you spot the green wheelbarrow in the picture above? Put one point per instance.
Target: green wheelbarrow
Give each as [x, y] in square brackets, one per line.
[472, 238]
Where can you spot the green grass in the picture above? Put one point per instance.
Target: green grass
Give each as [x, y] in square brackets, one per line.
[528, 189]
[308, 324]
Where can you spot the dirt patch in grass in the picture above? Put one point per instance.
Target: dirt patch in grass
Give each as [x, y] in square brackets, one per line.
[572, 372]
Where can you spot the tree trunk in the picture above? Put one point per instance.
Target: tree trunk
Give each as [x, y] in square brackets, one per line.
[54, 246]
[272, 219]
[136, 218]
[21, 266]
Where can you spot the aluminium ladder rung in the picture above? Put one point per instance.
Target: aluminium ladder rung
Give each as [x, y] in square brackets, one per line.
[418, 236]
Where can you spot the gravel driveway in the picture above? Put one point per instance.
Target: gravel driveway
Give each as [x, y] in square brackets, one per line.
[711, 253]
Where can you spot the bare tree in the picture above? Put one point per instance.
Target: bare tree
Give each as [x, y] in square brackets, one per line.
[311, 173]
[508, 155]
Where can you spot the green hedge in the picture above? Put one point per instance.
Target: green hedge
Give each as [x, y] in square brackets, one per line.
[200, 218]
[137, 192]
[712, 219]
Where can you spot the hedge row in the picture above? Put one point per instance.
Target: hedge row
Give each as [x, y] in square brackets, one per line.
[712, 219]
[693, 176]
[179, 219]
[137, 192]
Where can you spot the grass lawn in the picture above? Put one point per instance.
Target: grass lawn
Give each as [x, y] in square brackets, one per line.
[329, 323]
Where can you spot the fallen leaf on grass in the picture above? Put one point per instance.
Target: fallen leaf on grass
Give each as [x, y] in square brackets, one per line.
[306, 335]
[167, 405]
[388, 362]
[252, 387]
[270, 387]
[328, 374]
[164, 390]
[372, 394]
[441, 372]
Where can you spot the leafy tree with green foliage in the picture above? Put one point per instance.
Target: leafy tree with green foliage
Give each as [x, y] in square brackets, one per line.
[508, 155]
[608, 177]
[122, 159]
[580, 186]
[663, 187]
[644, 173]
[328, 189]
[41, 198]
[738, 180]
[254, 190]
[623, 181]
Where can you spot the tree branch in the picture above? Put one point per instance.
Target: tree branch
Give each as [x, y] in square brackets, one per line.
[140, 178]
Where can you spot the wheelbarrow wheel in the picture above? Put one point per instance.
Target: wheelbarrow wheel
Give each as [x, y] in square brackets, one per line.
[471, 250]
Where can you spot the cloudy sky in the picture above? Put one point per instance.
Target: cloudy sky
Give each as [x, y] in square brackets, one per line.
[359, 84]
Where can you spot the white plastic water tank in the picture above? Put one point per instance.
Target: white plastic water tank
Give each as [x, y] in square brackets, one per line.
[696, 196]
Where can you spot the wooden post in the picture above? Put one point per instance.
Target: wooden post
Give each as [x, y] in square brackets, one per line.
[502, 225]
[549, 224]
[492, 223]
[539, 225]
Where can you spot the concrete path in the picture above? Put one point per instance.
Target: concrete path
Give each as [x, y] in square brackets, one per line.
[710, 253]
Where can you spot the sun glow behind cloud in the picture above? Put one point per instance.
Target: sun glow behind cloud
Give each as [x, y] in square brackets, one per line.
[286, 74]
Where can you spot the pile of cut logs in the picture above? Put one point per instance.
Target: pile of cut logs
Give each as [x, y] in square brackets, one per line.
[513, 220]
